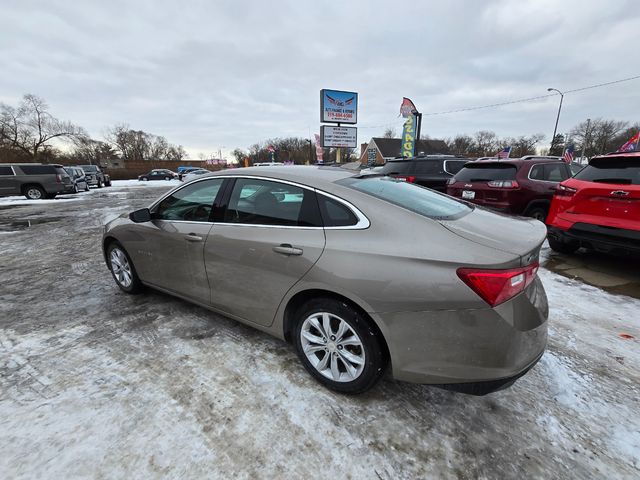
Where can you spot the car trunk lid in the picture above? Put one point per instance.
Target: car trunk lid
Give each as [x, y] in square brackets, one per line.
[521, 237]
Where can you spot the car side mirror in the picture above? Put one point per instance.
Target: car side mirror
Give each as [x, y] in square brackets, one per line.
[140, 216]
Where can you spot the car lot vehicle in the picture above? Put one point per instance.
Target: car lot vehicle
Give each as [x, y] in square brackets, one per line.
[268, 164]
[432, 171]
[522, 186]
[95, 176]
[79, 179]
[194, 174]
[357, 271]
[158, 174]
[599, 208]
[35, 181]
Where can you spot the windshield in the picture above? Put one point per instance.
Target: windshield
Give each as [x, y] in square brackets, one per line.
[486, 172]
[624, 171]
[420, 200]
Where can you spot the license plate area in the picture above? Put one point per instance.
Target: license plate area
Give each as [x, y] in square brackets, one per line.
[468, 194]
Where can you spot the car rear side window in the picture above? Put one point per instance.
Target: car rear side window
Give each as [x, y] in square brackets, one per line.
[428, 167]
[625, 171]
[38, 169]
[549, 172]
[6, 171]
[454, 166]
[396, 167]
[265, 202]
[486, 172]
[335, 214]
[410, 196]
[192, 203]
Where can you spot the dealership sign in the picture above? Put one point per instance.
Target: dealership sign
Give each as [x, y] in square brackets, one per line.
[339, 137]
[337, 106]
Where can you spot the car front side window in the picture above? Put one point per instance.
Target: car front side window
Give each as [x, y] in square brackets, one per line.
[192, 203]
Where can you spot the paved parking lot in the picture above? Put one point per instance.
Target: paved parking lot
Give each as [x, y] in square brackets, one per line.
[96, 383]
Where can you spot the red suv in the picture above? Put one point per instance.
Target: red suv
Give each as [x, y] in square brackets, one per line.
[599, 208]
[520, 186]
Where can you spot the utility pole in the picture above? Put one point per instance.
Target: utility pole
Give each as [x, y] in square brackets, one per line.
[584, 141]
[310, 152]
[555, 129]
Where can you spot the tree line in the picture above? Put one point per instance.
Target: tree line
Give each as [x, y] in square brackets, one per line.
[29, 132]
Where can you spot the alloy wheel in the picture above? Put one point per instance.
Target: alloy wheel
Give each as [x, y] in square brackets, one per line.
[332, 347]
[121, 268]
[34, 193]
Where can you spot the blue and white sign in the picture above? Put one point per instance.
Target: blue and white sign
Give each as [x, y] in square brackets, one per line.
[337, 106]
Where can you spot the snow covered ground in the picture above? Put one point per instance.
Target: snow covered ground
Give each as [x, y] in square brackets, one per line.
[95, 383]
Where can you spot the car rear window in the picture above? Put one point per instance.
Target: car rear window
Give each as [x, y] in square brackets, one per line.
[396, 166]
[89, 168]
[624, 171]
[38, 169]
[6, 171]
[420, 200]
[485, 172]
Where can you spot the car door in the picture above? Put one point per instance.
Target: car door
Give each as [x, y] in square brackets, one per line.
[270, 236]
[8, 183]
[175, 239]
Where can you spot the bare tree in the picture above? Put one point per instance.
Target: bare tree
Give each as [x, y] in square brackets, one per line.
[389, 133]
[30, 128]
[485, 143]
[461, 145]
[601, 136]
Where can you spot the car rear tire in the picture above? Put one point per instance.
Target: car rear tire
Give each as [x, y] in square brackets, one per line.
[563, 247]
[75, 188]
[34, 192]
[167, 178]
[86, 188]
[122, 269]
[99, 183]
[538, 213]
[338, 346]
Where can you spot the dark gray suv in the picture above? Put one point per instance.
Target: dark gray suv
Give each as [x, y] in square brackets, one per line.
[34, 180]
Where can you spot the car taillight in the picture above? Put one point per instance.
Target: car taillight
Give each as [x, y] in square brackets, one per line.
[503, 184]
[564, 191]
[409, 179]
[58, 178]
[498, 286]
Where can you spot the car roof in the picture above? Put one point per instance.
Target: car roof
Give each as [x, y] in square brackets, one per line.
[311, 175]
[619, 155]
[519, 161]
[428, 157]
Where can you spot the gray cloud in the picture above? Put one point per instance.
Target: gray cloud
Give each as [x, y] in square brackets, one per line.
[212, 74]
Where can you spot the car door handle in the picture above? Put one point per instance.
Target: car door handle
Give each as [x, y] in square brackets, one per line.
[192, 237]
[287, 249]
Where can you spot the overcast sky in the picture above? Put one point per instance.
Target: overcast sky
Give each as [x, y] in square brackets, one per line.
[212, 75]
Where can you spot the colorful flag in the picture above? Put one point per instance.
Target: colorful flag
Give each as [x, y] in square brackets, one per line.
[407, 108]
[504, 153]
[568, 154]
[632, 145]
[408, 146]
[319, 149]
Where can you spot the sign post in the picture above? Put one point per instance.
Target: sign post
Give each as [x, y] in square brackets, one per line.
[337, 106]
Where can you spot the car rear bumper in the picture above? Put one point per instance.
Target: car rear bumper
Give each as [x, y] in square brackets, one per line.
[599, 238]
[470, 351]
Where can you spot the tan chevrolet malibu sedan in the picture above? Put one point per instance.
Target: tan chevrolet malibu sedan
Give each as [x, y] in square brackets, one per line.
[360, 272]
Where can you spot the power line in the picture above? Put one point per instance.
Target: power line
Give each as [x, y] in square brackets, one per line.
[520, 100]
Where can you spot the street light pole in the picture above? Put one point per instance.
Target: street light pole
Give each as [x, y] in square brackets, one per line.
[555, 129]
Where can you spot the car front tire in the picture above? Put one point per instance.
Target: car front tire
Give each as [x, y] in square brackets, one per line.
[338, 346]
[122, 269]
